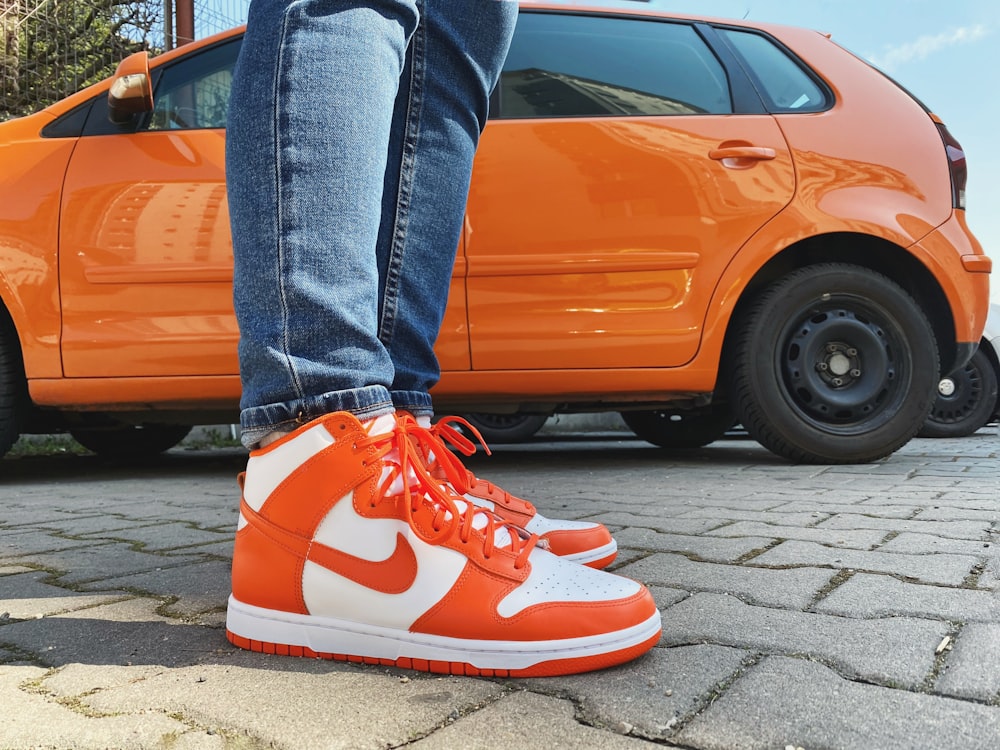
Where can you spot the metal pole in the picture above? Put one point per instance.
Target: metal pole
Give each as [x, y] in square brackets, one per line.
[185, 21]
[168, 24]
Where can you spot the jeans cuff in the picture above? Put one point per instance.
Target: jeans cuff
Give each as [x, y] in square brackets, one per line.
[364, 403]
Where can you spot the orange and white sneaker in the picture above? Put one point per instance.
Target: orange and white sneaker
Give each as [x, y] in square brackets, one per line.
[348, 549]
[582, 542]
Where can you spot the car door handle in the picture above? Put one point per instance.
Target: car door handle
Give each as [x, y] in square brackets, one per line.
[757, 153]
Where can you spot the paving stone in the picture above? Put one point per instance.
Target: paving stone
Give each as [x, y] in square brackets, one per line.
[956, 514]
[26, 542]
[273, 700]
[785, 702]
[879, 510]
[216, 549]
[199, 587]
[793, 588]
[861, 539]
[966, 499]
[32, 719]
[514, 719]
[125, 632]
[866, 595]
[26, 596]
[972, 669]
[950, 529]
[930, 568]
[104, 561]
[657, 523]
[651, 694]
[665, 596]
[898, 651]
[706, 548]
[918, 544]
[790, 518]
[162, 536]
[13, 570]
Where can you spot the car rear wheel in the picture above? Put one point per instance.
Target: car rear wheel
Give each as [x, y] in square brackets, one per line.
[834, 364]
[13, 390]
[130, 442]
[680, 429]
[506, 428]
[965, 402]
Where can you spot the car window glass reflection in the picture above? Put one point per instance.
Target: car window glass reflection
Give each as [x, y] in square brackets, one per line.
[194, 94]
[572, 66]
[785, 84]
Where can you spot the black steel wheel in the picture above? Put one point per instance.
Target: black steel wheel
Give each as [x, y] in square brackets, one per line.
[966, 400]
[506, 428]
[680, 429]
[126, 442]
[13, 387]
[835, 363]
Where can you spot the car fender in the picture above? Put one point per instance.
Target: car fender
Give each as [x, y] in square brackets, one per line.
[792, 227]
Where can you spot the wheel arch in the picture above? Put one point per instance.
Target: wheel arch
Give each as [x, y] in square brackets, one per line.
[867, 251]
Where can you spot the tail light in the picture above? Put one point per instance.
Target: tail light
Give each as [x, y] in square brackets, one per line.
[956, 165]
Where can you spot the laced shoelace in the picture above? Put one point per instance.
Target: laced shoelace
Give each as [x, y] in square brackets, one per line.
[444, 434]
[451, 513]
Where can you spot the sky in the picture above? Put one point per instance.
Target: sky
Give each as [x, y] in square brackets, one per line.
[946, 53]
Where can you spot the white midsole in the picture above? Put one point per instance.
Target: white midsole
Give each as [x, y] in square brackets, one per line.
[333, 636]
[598, 553]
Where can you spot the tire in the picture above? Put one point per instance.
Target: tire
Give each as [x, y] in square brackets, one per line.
[834, 364]
[965, 402]
[506, 428]
[680, 429]
[130, 442]
[13, 387]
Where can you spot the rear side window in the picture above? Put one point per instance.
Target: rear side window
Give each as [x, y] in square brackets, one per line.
[783, 81]
[592, 66]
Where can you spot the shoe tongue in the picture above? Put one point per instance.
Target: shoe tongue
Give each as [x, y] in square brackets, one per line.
[387, 423]
[379, 425]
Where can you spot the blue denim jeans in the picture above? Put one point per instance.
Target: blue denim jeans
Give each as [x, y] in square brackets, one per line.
[352, 129]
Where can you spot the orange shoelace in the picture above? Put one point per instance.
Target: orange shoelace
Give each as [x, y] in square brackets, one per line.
[444, 434]
[451, 513]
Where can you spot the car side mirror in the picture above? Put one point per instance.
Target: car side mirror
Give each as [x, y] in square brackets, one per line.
[131, 91]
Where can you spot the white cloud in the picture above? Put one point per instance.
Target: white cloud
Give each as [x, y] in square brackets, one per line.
[894, 57]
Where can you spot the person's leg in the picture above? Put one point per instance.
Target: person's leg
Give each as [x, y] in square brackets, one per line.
[306, 156]
[454, 62]
[346, 546]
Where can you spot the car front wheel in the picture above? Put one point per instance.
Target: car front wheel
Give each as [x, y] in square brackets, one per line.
[965, 402]
[836, 364]
[13, 389]
[506, 428]
[130, 442]
[679, 429]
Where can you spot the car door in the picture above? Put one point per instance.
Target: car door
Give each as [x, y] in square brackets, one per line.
[610, 192]
[145, 253]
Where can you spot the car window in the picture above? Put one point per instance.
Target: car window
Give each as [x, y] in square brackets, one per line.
[574, 65]
[786, 85]
[194, 93]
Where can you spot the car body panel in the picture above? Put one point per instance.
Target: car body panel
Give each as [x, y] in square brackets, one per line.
[602, 261]
[623, 225]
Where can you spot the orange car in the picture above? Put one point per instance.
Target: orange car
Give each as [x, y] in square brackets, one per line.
[692, 221]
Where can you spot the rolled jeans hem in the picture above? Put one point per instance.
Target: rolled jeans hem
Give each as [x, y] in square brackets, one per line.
[363, 403]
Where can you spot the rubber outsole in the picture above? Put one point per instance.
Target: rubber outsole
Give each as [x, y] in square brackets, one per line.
[289, 634]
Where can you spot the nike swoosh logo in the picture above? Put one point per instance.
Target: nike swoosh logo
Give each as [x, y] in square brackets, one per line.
[393, 575]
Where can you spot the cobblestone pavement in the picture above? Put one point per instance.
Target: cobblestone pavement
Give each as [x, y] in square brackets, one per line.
[803, 606]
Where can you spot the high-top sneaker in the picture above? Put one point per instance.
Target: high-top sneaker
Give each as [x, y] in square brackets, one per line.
[348, 549]
[580, 541]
